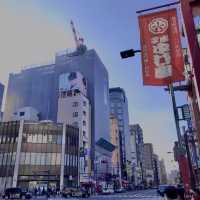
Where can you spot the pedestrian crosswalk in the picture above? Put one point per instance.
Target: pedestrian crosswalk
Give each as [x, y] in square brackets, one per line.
[129, 196]
[140, 195]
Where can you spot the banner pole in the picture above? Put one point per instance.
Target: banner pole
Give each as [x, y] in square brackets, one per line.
[175, 111]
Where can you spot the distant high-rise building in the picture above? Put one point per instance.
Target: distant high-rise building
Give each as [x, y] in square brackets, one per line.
[136, 134]
[163, 173]
[156, 170]
[1, 99]
[148, 163]
[133, 153]
[114, 135]
[38, 87]
[119, 108]
[148, 156]
[74, 109]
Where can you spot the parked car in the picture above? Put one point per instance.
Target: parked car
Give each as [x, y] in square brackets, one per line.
[67, 192]
[120, 190]
[105, 191]
[161, 189]
[80, 192]
[75, 192]
[108, 190]
[16, 193]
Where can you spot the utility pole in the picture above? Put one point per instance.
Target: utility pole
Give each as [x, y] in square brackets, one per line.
[175, 111]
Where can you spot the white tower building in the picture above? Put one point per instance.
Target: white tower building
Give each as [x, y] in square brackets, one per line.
[74, 108]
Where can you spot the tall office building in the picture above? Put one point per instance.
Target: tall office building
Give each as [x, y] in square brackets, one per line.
[156, 169]
[119, 108]
[133, 154]
[1, 94]
[38, 87]
[1, 99]
[137, 151]
[114, 135]
[148, 163]
[74, 109]
[163, 172]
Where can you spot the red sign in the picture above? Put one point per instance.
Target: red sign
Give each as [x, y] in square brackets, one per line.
[185, 172]
[162, 57]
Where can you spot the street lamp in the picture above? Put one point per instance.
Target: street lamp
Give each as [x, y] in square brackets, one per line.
[129, 53]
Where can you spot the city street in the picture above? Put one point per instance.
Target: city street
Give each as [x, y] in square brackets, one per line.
[142, 194]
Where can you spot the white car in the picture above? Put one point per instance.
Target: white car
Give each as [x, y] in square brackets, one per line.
[107, 190]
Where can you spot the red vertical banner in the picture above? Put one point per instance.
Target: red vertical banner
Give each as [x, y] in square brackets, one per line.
[162, 57]
[184, 170]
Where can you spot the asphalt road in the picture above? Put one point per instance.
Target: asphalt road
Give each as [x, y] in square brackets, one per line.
[140, 195]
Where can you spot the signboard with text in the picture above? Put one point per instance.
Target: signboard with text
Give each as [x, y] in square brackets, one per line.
[162, 57]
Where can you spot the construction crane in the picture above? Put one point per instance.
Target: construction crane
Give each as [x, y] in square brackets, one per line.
[79, 41]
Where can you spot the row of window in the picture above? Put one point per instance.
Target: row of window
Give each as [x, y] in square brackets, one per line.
[5, 139]
[42, 138]
[27, 158]
[40, 158]
[115, 104]
[7, 159]
[76, 124]
[75, 114]
[47, 159]
[118, 111]
[76, 104]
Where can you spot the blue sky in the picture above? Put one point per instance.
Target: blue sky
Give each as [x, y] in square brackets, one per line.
[32, 31]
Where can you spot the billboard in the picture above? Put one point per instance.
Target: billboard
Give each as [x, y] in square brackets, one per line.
[162, 58]
[73, 81]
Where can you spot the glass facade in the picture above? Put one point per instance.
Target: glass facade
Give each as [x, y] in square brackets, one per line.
[40, 155]
[119, 108]
[8, 145]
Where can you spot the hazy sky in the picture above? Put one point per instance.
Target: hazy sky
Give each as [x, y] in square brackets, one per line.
[32, 31]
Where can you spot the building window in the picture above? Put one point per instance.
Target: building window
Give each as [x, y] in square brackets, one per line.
[75, 114]
[119, 111]
[84, 133]
[75, 104]
[21, 114]
[75, 124]
[84, 123]
[84, 144]
[84, 103]
[84, 113]
[119, 105]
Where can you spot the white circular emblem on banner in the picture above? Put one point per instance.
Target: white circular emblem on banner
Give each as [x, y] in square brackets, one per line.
[158, 26]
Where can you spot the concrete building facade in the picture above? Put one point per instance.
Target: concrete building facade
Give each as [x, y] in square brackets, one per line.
[26, 113]
[119, 108]
[114, 135]
[38, 155]
[74, 109]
